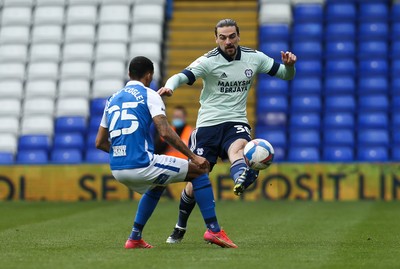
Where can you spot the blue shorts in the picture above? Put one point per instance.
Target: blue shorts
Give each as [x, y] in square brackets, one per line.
[212, 142]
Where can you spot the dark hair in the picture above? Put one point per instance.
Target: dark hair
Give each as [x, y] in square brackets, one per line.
[181, 108]
[226, 22]
[140, 66]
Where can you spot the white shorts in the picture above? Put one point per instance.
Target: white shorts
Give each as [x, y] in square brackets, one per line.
[163, 170]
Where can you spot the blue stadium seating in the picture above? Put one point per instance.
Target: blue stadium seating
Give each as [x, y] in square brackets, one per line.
[340, 49]
[34, 142]
[91, 140]
[395, 86]
[305, 121]
[332, 120]
[395, 67]
[395, 123]
[341, 67]
[395, 153]
[338, 154]
[309, 68]
[373, 154]
[307, 49]
[68, 124]
[395, 49]
[340, 103]
[373, 102]
[94, 123]
[276, 103]
[395, 30]
[306, 103]
[280, 154]
[97, 106]
[271, 120]
[308, 12]
[303, 154]
[373, 67]
[371, 120]
[373, 137]
[340, 12]
[372, 49]
[307, 31]
[97, 156]
[274, 32]
[395, 103]
[336, 84]
[340, 31]
[32, 157]
[396, 135]
[276, 137]
[373, 31]
[269, 85]
[376, 12]
[273, 48]
[66, 156]
[6, 158]
[373, 84]
[338, 137]
[68, 140]
[395, 12]
[306, 85]
[304, 138]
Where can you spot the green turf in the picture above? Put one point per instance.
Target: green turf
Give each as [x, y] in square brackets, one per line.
[269, 235]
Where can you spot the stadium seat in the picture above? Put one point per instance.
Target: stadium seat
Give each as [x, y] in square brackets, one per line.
[44, 87]
[395, 153]
[90, 140]
[395, 86]
[338, 137]
[49, 15]
[339, 49]
[373, 137]
[151, 50]
[340, 12]
[338, 154]
[372, 120]
[305, 121]
[45, 52]
[307, 49]
[147, 32]
[45, 69]
[273, 32]
[309, 12]
[76, 124]
[40, 3]
[306, 85]
[81, 14]
[9, 3]
[373, 67]
[309, 68]
[276, 137]
[376, 12]
[107, 13]
[275, 13]
[372, 154]
[372, 84]
[303, 138]
[372, 49]
[12, 70]
[36, 156]
[94, 123]
[97, 106]
[395, 31]
[340, 103]
[340, 67]
[10, 107]
[80, 33]
[271, 120]
[307, 31]
[395, 49]
[16, 15]
[6, 158]
[395, 122]
[303, 154]
[74, 106]
[7, 84]
[34, 142]
[337, 120]
[37, 125]
[8, 143]
[76, 69]
[373, 31]
[273, 48]
[104, 88]
[280, 154]
[9, 124]
[74, 87]
[373, 102]
[47, 33]
[97, 156]
[13, 34]
[336, 84]
[66, 156]
[116, 32]
[340, 31]
[78, 51]
[111, 51]
[157, 11]
[395, 12]
[38, 106]
[271, 85]
[395, 67]
[109, 69]
[68, 141]
[13, 52]
[84, 2]
[306, 103]
[275, 103]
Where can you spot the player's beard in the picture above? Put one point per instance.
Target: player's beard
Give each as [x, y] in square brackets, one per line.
[231, 50]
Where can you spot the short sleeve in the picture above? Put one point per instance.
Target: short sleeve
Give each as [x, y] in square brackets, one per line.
[155, 103]
[196, 69]
[104, 122]
[267, 64]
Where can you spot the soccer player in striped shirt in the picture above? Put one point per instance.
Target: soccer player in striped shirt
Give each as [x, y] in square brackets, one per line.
[222, 128]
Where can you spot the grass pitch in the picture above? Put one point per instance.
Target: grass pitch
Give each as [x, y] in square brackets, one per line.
[269, 235]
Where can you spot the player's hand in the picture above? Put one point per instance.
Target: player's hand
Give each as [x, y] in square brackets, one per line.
[288, 58]
[165, 91]
[201, 162]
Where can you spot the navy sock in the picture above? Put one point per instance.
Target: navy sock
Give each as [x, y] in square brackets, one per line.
[237, 168]
[204, 196]
[186, 206]
[146, 206]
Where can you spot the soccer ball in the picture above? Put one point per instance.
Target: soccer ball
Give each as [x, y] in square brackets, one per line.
[258, 154]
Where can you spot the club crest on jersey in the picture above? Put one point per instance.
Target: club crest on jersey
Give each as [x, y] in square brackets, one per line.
[200, 151]
[248, 73]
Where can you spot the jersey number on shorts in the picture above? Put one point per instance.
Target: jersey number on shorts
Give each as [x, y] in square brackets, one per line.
[123, 115]
[242, 129]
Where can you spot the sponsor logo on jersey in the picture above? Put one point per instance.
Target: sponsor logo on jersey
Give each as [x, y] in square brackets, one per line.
[233, 86]
[119, 151]
[248, 73]
[223, 76]
[199, 151]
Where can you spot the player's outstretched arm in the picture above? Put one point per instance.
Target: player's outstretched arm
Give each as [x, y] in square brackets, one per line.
[287, 70]
[102, 141]
[172, 83]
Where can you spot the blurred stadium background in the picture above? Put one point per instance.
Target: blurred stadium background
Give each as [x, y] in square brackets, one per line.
[60, 59]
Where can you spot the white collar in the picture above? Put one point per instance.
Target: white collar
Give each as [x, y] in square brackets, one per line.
[134, 82]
